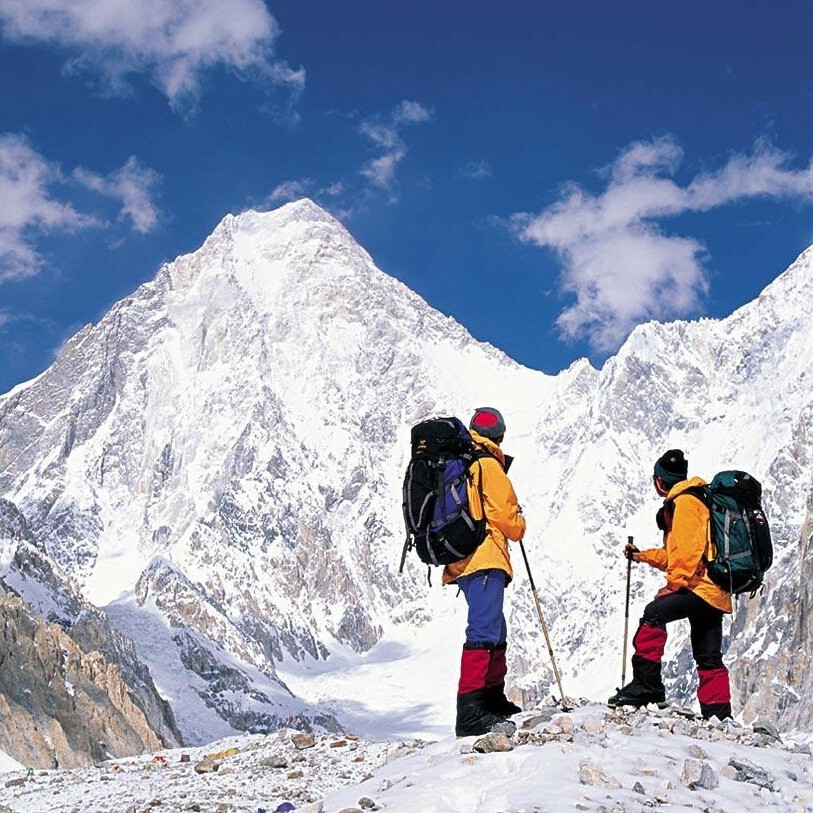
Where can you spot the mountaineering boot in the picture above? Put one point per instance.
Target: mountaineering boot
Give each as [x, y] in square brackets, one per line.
[495, 700]
[645, 687]
[635, 694]
[474, 720]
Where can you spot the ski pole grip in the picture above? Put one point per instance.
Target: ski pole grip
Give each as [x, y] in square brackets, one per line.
[527, 566]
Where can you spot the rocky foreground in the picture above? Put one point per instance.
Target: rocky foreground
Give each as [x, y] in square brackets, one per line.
[588, 758]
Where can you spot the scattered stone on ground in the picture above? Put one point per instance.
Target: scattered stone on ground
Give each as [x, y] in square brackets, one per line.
[698, 774]
[303, 740]
[749, 772]
[291, 770]
[494, 742]
[767, 729]
[592, 774]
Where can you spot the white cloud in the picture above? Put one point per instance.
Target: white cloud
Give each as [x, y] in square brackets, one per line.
[172, 41]
[618, 263]
[333, 190]
[134, 185]
[386, 136]
[343, 198]
[410, 113]
[291, 190]
[476, 170]
[27, 207]
[33, 202]
[299, 188]
[380, 171]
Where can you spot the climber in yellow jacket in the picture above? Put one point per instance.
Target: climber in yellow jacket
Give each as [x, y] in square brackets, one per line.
[483, 577]
[688, 593]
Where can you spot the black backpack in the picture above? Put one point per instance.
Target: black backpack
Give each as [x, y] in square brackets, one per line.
[739, 531]
[439, 522]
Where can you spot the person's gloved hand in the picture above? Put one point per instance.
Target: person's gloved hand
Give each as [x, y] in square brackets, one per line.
[631, 552]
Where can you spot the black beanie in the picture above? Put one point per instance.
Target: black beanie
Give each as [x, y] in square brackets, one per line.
[672, 467]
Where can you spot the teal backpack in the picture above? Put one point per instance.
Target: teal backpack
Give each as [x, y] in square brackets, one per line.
[743, 550]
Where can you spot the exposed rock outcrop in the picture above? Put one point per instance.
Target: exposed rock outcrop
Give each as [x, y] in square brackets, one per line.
[72, 689]
[59, 706]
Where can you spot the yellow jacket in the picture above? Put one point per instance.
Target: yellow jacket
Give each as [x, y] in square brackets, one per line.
[686, 539]
[504, 518]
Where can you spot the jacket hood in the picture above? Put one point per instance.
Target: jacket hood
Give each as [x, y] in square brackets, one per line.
[489, 445]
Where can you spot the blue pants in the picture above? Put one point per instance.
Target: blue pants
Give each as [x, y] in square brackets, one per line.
[484, 592]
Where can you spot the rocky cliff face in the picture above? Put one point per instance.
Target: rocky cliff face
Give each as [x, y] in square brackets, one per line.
[61, 707]
[72, 688]
[774, 670]
[218, 463]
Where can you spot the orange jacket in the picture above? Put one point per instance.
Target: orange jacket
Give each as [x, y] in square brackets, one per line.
[504, 518]
[684, 544]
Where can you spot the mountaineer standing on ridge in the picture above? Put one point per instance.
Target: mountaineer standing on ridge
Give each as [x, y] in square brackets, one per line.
[483, 577]
[688, 593]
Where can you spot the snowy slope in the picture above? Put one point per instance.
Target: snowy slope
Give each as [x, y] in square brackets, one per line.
[589, 760]
[221, 456]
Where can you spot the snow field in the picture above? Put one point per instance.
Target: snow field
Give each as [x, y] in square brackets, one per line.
[590, 759]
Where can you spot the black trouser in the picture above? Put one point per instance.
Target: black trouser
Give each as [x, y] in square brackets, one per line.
[706, 625]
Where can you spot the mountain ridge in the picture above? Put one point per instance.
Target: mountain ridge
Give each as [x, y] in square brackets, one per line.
[233, 434]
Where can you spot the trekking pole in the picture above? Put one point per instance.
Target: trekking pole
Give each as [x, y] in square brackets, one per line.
[626, 620]
[542, 621]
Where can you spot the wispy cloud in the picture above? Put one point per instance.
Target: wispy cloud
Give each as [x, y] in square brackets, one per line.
[34, 201]
[386, 135]
[172, 41]
[28, 208]
[292, 190]
[134, 186]
[298, 188]
[618, 262]
[8, 318]
[476, 170]
[346, 197]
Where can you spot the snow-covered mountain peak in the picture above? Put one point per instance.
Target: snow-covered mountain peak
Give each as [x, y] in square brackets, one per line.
[787, 298]
[222, 454]
[297, 270]
[797, 279]
[300, 211]
[301, 214]
[258, 250]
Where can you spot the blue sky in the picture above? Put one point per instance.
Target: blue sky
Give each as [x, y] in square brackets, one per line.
[550, 174]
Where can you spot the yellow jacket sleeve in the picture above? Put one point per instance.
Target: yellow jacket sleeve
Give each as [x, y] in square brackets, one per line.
[656, 557]
[686, 543]
[501, 505]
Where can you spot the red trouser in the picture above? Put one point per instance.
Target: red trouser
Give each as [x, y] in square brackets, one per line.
[482, 666]
[706, 625]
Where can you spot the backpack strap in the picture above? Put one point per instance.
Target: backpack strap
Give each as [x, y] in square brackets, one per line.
[477, 455]
[667, 511]
[479, 452]
[700, 492]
